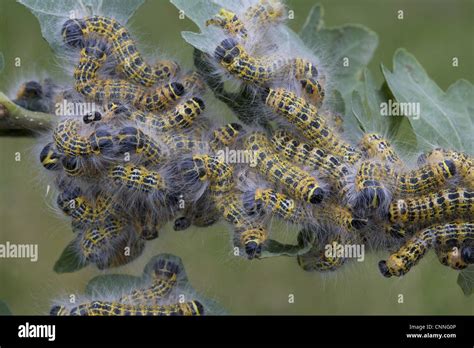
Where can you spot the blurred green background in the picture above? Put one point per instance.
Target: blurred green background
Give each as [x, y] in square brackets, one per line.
[434, 31]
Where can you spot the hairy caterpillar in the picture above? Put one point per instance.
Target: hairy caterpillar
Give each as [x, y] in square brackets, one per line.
[298, 183]
[302, 153]
[449, 203]
[50, 158]
[136, 178]
[370, 190]
[264, 12]
[335, 214]
[181, 117]
[425, 179]
[96, 242]
[375, 146]
[104, 308]
[454, 234]
[81, 210]
[316, 259]
[275, 203]
[133, 139]
[464, 163]
[76, 31]
[69, 142]
[93, 56]
[305, 117]
[261, 71]
[225, 135]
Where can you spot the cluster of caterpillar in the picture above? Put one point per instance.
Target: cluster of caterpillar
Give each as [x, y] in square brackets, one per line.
[163, 281]
[309, 174]
[151, 156]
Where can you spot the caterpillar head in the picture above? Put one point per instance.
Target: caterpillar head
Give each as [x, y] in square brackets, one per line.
[227, 51]
[467, 254]
[73, 32]
[50, 158]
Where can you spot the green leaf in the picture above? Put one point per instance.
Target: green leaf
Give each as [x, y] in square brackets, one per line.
[446, 118]
[332, 45]
[52, 14]
[367, 100]
[69, 261]
[466, 280]
[273, 248]
[4, 310]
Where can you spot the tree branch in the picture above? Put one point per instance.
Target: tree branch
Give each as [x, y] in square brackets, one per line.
[17, 121]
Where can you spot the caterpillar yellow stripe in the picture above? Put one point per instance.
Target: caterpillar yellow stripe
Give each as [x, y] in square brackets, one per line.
[82, 210]
[318, 260]
[216, 171]
[247, 224]
[370, 189]
[131, 139]
[464, 163]
[69, 142]
[97, 242]
[277, 204]
[225, 136]
[104, 308]
[298, 183]
[262, 70]
[376, 147]
[294, 150]
[165, 277]
[453, 234]
[262, 13]
[444, 204]
[129, 59]
[425, 179]
[456, 258]
[184, 143]
[88, 83]
[335, 214]
[305, 117]
[136, 178]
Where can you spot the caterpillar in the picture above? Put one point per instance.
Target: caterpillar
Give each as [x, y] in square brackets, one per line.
[313, 157]
[133, 139]
[298, 183]
[454, 257]
[248, 224]
[449, 235]
[104, 308]
[261, 71]
[425, 179]
[370, 189]
[50, 158]
[448, 203]
[184, 143]
[264, 12]
[96, 242]
[225, 135]
[218, 173]
[335, 214]
[87, 83]
[117, 256]
[276, 203]
[75, 33]
[81, 210]
[464, 163]
[317, 260]
[375, 146]
[136, 178]
[193, 81]
[69, 142]
[305, 117]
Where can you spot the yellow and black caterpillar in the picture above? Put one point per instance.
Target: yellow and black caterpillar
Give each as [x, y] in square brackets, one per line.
[449, 235]
[75, 33]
